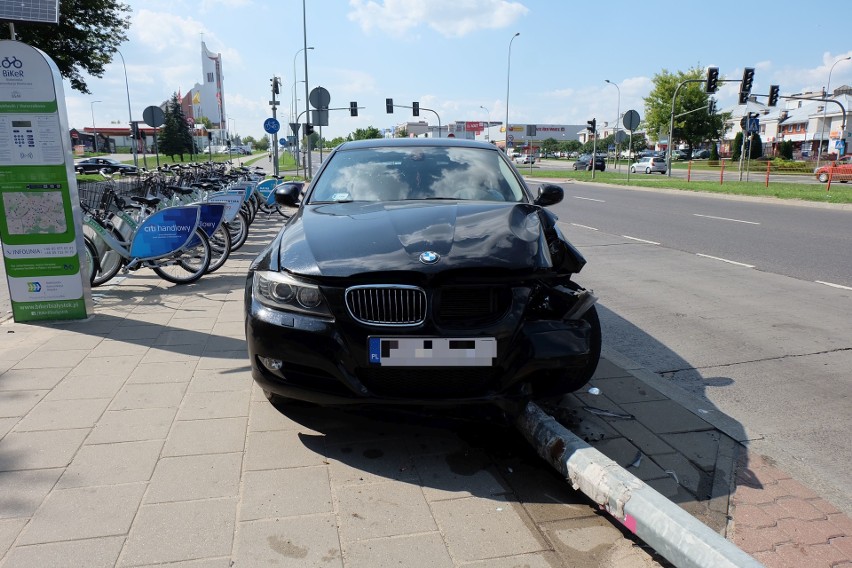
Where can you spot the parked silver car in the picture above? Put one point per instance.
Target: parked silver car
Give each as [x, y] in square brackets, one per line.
[649, 164]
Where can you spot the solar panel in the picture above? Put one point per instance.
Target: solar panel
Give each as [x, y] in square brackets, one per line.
[30, 10]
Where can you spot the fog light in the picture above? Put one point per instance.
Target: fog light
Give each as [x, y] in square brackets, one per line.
[272, 364]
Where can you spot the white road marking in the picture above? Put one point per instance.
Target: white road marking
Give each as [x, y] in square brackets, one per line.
[833, 285]
[725, 260]
[640, 240]
[726, 219]
[584, 227]
[589, 199]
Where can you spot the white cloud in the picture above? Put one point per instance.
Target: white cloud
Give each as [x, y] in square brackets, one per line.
[449, 18]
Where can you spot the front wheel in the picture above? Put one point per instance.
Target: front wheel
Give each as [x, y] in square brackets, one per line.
[238, 227]
[220, 248]
[632, 170]
[92, 262]
[186, 265]
[823, 177]
[647, 170]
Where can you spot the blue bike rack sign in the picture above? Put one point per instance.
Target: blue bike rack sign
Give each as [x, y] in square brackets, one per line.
[165, 232]
[271, 125]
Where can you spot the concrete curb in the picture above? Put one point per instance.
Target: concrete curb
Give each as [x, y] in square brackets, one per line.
[668, 529]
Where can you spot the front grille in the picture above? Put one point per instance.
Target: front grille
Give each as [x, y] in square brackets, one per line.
[387, 305]
[429, 383]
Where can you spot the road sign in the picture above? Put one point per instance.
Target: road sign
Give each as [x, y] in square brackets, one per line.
[319, 98]
[271, 125]
[511, 138]
[753, 125]
[154, 116]
[631, 120]
[282, 141]
[294, 126]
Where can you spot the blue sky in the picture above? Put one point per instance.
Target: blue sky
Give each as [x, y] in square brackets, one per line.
[452, 56]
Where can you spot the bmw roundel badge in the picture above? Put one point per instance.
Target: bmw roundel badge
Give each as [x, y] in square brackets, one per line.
[429, 257]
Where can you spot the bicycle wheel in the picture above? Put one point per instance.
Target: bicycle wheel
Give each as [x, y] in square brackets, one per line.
[238, 228]
[220, 248]
[92, 263]
[186, 265]
[109, 261]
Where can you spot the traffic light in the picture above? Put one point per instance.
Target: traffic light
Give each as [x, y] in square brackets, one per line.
[592, 125]
[711, 106]
[745, 85]
[209, 136]
[774, 92]
[274, 82]
[309, 129]
[389, 105]
[353, 108]
[134, 130]
[712, 79]
[415, 108]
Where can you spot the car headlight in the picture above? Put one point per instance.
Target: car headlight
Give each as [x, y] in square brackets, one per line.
[281, 291]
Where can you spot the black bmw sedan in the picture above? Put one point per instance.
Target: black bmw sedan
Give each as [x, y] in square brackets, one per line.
[419, 271]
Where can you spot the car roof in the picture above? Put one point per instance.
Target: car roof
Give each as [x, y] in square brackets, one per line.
[415, 143]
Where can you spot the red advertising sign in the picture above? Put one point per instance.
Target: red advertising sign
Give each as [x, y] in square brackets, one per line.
[472, 126]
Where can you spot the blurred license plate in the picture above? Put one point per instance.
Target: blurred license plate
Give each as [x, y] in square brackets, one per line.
[432, 351]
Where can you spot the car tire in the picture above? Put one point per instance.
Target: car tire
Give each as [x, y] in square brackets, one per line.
[822, 177]
[647, 170]
[632, 170]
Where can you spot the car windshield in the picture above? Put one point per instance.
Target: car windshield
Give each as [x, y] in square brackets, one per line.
[416, 173]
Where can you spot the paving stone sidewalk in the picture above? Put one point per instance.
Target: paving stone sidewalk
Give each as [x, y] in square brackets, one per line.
[137, 438]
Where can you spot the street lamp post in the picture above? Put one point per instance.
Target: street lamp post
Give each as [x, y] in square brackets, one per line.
[825, 105]
[487, 128]
[617, 117]
[296, 104]
[130, 114]
[508, 74]
[94, 128]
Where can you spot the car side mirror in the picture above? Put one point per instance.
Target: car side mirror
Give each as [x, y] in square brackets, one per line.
[549, 194]
[287, 196]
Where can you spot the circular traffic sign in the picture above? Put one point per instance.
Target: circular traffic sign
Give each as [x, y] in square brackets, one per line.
[154, 116]
[511, 138]
[631, 120]
[271, 125]
[319, 98]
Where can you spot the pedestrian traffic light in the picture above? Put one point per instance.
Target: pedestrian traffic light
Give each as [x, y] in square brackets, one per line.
[592, 125]
[774, 92]
[353, 108]
[389, 105]
[134, 130]
[711, 106]
[309, 129]
[274, 82]
[712, 79]
[209, 136]
[415, 108]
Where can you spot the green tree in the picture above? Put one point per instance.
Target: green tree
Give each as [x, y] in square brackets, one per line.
[714, 152]
[174, 137]
[737, 146]
[755, 147]
[694, 127]
[262, 144]
[83, 42]
[549, 145]
[366, 133]
[785, 149]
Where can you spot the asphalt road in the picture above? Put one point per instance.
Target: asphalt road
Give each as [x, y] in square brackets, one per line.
[737, 301]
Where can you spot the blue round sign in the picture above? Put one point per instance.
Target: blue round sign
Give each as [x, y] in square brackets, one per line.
[271, 125]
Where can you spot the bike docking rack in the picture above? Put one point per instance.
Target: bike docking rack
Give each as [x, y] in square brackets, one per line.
[159, 240]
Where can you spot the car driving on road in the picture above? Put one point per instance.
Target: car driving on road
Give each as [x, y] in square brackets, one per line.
[94, 165]
[839, 170]
[419, 272]
[649, 164]
[584, 162]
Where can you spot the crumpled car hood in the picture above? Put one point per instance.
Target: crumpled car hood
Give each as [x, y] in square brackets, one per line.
[345, 239]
